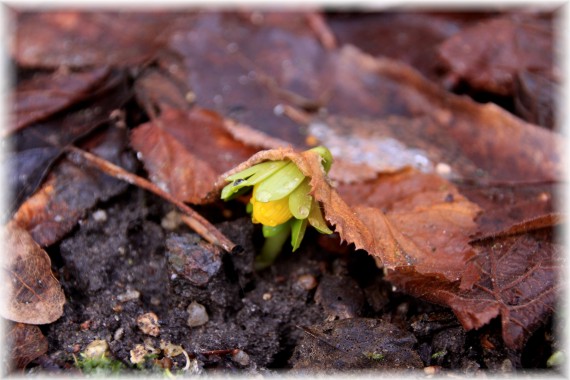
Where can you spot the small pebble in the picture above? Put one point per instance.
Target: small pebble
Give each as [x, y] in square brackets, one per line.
[100, 216]
[197, 315]
[190, 97]
[96, 349]
[307, 281]
[171, 221]
[432, 370]
[129, 295]
[119, 333]
[155, 301]
[240, 357]
[266, 296]
[148, 323]
[137, 354]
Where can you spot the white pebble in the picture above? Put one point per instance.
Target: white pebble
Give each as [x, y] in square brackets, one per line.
[100, 216]
[241, 358]
[197, 315]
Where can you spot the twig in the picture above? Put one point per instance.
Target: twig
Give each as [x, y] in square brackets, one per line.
[194, 220]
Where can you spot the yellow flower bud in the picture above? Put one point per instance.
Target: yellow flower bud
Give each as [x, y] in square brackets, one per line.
[270, 213]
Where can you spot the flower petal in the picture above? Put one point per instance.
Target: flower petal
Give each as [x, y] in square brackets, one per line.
[270, 213]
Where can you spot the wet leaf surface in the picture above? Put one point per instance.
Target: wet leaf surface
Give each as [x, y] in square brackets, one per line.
[69, 191]
[26, 343]
[78, 39]
[498, 144]
[355, 343]
[43, 95]
[489, 55]
[255, 79]
[34, 295]
[34, 149]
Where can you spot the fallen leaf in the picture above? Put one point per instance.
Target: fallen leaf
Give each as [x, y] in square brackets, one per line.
[488, 55]
[25, 342]
[55, 208]
[79, 38]
[505, 205]
[535, 97]
[45, 94]
[410, 37]
[254, 79]
[355, 343]
[519, 282]
[34, 295]
[450, 128]
[185, 151]
[34, 149]
[416, 218]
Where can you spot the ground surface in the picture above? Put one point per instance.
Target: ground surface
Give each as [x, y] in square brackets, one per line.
[313, 310]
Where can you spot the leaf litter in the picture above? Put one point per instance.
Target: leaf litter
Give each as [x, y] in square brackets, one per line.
[421, 225]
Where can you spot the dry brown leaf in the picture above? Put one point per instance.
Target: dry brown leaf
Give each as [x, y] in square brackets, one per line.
[519, 281]
[489, 54]
[55, 208]
[34, 295]
[80, 38]
[417, 218]
[26, 342]
[43, 95]
[185, 151]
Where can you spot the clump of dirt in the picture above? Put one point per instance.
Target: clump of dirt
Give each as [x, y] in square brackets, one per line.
[313, 310]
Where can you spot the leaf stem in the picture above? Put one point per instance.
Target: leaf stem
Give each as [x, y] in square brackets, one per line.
[194, 220]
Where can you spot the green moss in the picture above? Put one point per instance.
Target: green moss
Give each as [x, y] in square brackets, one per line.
[97, 366]
[374, 355]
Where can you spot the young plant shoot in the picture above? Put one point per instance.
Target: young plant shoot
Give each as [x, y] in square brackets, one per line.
[281, 202]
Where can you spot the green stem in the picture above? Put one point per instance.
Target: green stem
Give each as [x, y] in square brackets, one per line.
[272, 246]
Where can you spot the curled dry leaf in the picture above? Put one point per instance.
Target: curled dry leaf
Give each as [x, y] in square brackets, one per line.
[33, 294]
[417, 218]
[25, 342]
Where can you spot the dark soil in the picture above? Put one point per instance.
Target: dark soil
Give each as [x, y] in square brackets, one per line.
[313, 310]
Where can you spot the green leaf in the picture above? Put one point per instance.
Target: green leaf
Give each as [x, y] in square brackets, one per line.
[327, 158]
[279, 184]
[300, 200]
[298, 228]
[272, 246]
[316, 219]
[250, 177]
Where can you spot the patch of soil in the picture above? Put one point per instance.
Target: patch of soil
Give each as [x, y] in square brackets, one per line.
[313, 310]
